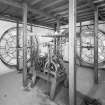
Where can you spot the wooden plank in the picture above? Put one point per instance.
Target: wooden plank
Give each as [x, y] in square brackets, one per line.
[96, 46]
[82, 6]
[51, 4]
[35, 2]
[59, 8]
[84, 10]
[98, 1]
[91, 4]
[34, 11]
[84, 19]
[17, 44]
[25, 9]
[72, 52]
[58, 11]
[63, 12]
[45, 19]
[85, 14]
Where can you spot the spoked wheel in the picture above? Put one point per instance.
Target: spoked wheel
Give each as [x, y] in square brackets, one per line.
[50, 68]
[87, 46]
[8, 47]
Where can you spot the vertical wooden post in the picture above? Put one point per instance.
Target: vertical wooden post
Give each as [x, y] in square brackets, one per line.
[55, 26]
[72, 52]
[31, 28]
[58, 24]
[31, 50]
[80, 42]
[17, 44]
[58, 30]
[24, 44]
[31, 44]
[96, 46]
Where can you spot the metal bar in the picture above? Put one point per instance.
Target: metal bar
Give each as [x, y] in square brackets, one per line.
[80, 42]
[72, 52]
[96, 46]
[24, 44]
[17, 42]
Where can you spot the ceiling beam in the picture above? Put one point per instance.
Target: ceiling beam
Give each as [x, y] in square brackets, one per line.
[94, 8]
[82, 6]
[45, 19]
[35, 1]
[91, 4]
[98, 1]
[63, 12]
[66, 6]
[86, 14]
[101, 5]
[84, 20]
[84, 10]
[52, 11]
[34, 11]
[51, 4]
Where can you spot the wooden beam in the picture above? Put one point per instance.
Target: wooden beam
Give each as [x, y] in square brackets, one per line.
[58, 11]
[91, 4]
[101, 5]
[44, 19]
[58, 30]
[98, 1]
[96, 46]
[85, 19]
[35, 2]
[80, 19]
[25, 10]
[34, 11]
[84, 10]
[58, 8]
[66, 6]
[80, 43]
[49, 21]
[63, 12]
[82, 6]
[17, 44]
[72, 52]
[54, 2]
[85, 14]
